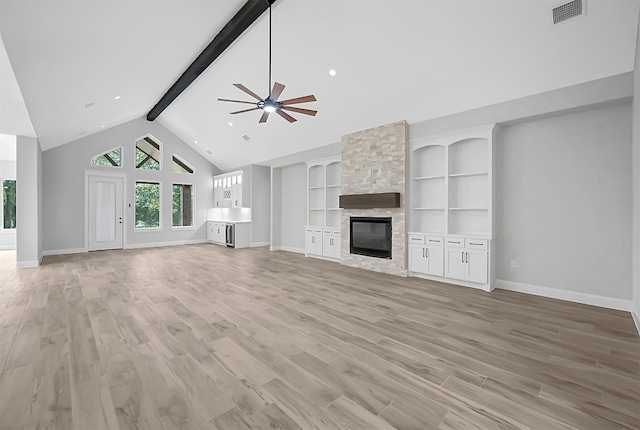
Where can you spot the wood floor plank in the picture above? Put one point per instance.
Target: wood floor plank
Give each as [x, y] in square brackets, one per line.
[208, 337]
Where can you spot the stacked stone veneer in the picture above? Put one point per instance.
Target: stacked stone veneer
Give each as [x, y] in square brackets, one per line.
[375, 161]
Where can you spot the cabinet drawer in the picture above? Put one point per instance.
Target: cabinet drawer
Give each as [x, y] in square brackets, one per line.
[327, 232]
[317, 230]
[416, 239]
[336, 232]
[435, 240]
[477, 243]
[308, 230]
[454, 242]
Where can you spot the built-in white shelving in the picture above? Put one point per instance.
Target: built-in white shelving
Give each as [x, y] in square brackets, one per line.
[451, 197]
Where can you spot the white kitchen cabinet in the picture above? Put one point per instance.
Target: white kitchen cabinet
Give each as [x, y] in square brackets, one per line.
[228, 192]
[216, 232]
[236, 196]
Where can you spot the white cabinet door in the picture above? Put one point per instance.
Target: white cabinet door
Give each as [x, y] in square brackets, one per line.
[454, 265]
[435, 260]
[236, 196]
[337, 247]
[219, 232]
[217, 197]
[210, 229]
[313, 242]
[327, 246]
[418, 258]
[477, 266]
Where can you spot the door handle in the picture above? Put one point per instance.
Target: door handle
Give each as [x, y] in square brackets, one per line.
[427, 249]
[467, 257]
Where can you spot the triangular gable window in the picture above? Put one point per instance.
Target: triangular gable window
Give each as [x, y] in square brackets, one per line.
[148, 153]
[181, 166]
[111, 158]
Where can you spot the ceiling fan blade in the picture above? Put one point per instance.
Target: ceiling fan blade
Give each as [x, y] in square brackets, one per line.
[248, 91]
[277, 90]
[300, 110]
[286, 116]
[236, 101]
[264, 117]
[245, 110]
[304, 99]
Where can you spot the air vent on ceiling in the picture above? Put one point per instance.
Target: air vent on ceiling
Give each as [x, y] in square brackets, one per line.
[245, 137]
[567, 11]
[209, 152]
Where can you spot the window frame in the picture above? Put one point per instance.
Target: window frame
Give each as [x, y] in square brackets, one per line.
[135, 149]
[2, 228]
[106, 152]
[160, 206]
[193, 207]
[183, 161]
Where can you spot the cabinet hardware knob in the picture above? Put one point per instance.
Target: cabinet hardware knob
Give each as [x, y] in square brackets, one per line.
[478, 244]
[462, 257]
[427, 252]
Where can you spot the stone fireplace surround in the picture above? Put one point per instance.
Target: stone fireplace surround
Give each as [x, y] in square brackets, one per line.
[375, 161]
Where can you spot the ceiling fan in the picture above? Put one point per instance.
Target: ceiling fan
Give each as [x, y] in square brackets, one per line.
[271, 104]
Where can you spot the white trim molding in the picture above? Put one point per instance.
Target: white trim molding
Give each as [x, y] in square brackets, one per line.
[159, 244]
[259, 244]
[63, 251]
[635, 313]
[287, 248]
[570, 296]
[27, 264]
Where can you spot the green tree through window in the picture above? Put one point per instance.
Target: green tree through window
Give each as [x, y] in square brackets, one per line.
[112, 158]
[9, 203]
[182, 205]
[147, 205]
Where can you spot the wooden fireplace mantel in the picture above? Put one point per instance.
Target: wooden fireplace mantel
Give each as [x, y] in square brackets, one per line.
[370, 201]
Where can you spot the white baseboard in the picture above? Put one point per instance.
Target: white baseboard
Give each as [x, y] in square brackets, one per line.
[635, 313]
[570, 296]
[259, 244]
[287, 248]
[7, 248]
[63, 251]
[158, 244]
[27, 264]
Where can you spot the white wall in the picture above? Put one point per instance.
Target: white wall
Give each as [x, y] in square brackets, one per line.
[563, 202]
[292, 195]
[64, 200]
[29, 195]
[260, 205]
[636, 184]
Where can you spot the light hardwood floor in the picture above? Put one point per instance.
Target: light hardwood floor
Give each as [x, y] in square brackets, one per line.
[202, 336]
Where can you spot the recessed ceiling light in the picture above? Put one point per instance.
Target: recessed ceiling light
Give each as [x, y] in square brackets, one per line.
[332, 72]
[102, 126]
[195, 141]
[116, 98]
[230, 124]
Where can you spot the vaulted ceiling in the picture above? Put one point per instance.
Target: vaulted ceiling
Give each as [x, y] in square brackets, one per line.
[412, 60]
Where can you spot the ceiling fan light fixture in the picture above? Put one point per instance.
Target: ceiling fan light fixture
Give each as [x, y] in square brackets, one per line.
[269, 107]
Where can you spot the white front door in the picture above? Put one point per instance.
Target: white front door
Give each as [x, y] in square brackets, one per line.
[105, 212]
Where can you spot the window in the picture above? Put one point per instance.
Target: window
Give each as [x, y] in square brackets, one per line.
[182, 205]
[148, 154]
[9, 203]
[147, 205]
[111, 158]
[181, 166]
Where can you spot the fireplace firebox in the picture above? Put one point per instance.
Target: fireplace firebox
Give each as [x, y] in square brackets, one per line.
[370, 236]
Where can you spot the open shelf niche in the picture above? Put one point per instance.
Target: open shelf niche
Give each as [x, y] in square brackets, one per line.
[452, 183]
